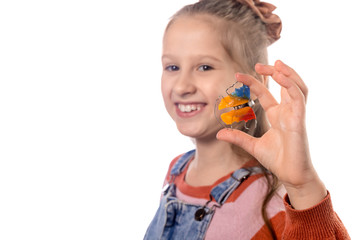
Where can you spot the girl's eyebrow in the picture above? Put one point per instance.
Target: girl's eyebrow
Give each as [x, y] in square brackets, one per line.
[166, 56]
[208, 56]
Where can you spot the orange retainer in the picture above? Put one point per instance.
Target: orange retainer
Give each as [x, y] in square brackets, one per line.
[239, 102]
[243, 114]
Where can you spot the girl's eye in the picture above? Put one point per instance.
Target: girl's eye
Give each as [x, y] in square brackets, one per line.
[172, 68]
[205, 68]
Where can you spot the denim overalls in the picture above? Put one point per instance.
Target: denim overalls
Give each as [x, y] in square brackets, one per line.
[176, 219]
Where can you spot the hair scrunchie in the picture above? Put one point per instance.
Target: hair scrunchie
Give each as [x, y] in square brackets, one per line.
[264, 11]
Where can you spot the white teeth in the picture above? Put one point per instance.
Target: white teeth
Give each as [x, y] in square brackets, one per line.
[189, 107]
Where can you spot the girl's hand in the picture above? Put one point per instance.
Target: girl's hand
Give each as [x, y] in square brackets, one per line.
[283, 149]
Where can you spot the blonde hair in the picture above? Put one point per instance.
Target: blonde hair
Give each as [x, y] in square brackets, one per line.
[241, 31]
[244, 37]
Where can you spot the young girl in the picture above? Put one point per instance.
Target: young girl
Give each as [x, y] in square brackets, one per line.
[233, 185]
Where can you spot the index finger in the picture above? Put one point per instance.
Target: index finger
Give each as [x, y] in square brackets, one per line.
[266, 70]
[266, 99]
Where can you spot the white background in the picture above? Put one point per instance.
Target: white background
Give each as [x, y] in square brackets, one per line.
[85, 141]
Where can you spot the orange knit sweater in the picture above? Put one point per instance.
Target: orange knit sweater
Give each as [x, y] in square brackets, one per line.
[318, 222]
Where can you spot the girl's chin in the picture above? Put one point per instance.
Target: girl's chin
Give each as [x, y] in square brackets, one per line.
[198, 132]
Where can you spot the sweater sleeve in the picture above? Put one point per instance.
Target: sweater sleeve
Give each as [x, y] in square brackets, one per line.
[317, 222]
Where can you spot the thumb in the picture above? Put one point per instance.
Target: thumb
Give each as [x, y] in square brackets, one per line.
[239, 138]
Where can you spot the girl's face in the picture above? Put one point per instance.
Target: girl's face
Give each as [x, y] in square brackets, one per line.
[196, 70]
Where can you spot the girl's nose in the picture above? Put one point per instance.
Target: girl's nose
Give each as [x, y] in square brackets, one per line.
[184, 85]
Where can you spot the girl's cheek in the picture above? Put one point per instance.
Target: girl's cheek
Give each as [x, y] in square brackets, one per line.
[164, 89]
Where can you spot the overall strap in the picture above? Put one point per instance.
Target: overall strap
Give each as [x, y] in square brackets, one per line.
[222, 191]
[180, 164]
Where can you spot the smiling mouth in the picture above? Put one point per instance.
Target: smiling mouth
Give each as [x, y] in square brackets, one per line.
[187, 108]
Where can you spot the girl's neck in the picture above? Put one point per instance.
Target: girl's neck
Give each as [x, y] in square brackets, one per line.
[213, 160]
